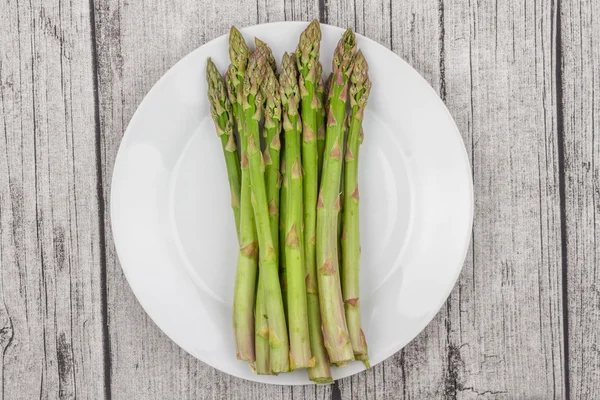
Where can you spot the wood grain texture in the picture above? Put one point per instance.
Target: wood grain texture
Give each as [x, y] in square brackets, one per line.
[580, 112]
[51, 337]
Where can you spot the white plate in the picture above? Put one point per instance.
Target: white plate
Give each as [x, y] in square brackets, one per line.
[174, 228]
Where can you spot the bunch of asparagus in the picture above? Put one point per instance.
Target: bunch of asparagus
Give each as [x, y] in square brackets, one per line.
[293, 306]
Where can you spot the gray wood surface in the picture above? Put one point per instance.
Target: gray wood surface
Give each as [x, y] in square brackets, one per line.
[519, 77]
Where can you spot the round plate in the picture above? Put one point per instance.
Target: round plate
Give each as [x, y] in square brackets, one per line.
[174, 229]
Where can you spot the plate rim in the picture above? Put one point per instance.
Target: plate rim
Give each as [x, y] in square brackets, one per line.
[464, 155]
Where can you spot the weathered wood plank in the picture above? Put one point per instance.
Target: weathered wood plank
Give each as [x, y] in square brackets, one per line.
[580, 45]
[51, 342]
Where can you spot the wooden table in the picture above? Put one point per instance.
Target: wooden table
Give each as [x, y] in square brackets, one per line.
[522, 80]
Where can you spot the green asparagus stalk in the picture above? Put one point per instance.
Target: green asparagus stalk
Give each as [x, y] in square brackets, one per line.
[307, 56]
[252, 104]
[360, 87]
[335, 330]
[320, 119]
[300, 354]
[271, 154]
[282, 217]
[276, 159]
[244, 292]
[261, 332]
[238, 55]
[222, 114]
[272, 126]
[328, 84]
[340, 221]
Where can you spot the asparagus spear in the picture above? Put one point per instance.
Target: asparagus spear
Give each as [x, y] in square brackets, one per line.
[335, 331]
[222, 114]
[307, 56]
[244, 292]
[272, 127]
[360, 87]
[300, 354]
[277, 163]
[270, 92]
[261, 332]
[252, 104]
[320, 119]
[340, 221]
[282, 217]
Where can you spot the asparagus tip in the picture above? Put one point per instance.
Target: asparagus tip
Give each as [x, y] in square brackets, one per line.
[288, 86]
[220, 107]
[307, 51]
[238, 50]
[311, 35]
[360, 84]
[255, 72]
[259, 42]
[269, 54]
[347, 43]
[213, 76]
[343, 55]
[361, 68]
